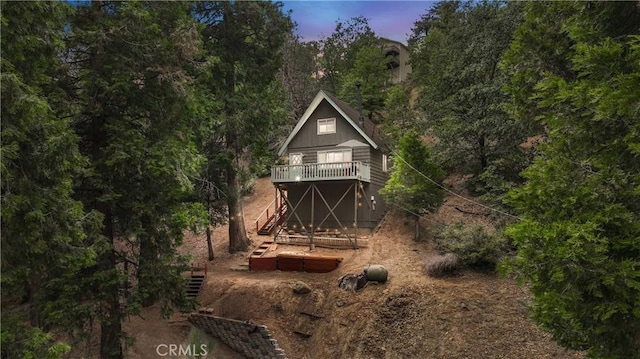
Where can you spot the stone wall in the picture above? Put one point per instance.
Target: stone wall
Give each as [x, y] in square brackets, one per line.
[251, 340]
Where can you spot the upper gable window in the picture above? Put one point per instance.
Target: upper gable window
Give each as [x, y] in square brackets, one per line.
[326, 126]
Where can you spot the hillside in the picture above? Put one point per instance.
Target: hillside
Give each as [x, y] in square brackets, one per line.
[473, 315]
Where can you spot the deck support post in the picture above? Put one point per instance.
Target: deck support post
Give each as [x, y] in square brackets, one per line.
[276, 211]
[333, 214]
[355, 213]
[313, 206]
[294, 208]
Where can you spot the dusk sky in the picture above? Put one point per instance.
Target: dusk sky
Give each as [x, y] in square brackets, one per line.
[390, 19]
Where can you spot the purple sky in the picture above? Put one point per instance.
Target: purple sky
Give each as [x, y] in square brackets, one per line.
[390, 19]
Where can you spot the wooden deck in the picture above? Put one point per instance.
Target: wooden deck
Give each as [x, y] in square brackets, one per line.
[314, 172]
[322, 241]
[295, 262]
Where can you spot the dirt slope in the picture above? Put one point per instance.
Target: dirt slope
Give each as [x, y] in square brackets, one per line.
[474, 315]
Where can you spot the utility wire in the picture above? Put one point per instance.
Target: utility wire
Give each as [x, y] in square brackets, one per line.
[396, 155]
[407, 210]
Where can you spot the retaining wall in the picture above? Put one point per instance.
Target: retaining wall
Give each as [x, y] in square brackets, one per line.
[251, 340]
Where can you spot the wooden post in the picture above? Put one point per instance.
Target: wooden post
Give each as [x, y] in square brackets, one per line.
[275, 233]
[313, 228]
[355, 214]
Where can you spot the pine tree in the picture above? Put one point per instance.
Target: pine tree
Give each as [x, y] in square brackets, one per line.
[578, 242]
[340, 49]
[414, 182]
[133, 96]
[247, 40]
[456, 51]
[47, 235]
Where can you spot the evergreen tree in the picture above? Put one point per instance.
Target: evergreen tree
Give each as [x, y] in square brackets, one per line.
[46, 233]
[456, 50]
[340, 51]
[399, 116]
[578, 242]
[414, 182]
[370, 74]
[300, 74]
[134, 120]
[247, 39]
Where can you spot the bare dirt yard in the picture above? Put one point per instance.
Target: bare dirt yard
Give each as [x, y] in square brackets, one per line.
[472, 315]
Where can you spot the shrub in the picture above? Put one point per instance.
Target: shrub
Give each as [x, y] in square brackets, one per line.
[440, 266]
[473, 245]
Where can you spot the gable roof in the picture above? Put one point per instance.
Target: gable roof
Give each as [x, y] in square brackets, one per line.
[368, 131]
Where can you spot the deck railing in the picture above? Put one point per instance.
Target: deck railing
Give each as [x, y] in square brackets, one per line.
[321, 172]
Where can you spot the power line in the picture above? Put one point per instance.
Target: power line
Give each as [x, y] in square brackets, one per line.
[407, 210]
[396, 155]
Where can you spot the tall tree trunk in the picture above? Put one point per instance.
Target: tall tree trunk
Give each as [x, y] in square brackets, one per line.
[111, 330]
[209, 243]
[209, 240]
[110, 323]
[238, 240]
[34, 305]
[483, 154]
[147, 269]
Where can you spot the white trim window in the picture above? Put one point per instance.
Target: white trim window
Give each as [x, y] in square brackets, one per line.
[385, 163]
[334, 156]
[326, 126]
[295, 159]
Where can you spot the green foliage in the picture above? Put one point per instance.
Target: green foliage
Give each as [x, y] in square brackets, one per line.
[340, 51]
[20, 340]
[353, 56]
[399, 116]
[578, 242]
[370, 72]
[299, 74]
[47, 235]
[134, 119]
[456, 49]
[247, 38]
[407, 187]
[473, 244]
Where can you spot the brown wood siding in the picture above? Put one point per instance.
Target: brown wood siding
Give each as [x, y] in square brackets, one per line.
[308, 136]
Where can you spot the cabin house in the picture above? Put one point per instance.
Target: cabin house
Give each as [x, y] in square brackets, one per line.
[336, 164]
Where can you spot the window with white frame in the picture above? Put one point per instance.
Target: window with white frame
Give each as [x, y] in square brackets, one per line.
[385, 163]
[295, 158]
[334, 156]
[326, 126]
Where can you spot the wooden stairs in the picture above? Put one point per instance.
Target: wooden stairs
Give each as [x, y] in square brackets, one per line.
[194, 284]
[196, 279]
[262, 249]
[273, 220]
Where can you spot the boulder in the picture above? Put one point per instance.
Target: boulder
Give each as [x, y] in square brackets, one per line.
[300, 287]
[376, 272]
